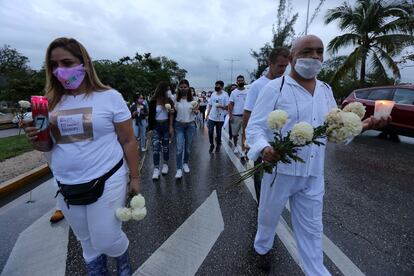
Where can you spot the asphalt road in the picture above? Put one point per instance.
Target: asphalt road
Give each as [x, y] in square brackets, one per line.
[367, 214]
[9, 132]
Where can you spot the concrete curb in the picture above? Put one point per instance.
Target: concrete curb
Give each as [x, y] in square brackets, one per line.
[22, 180]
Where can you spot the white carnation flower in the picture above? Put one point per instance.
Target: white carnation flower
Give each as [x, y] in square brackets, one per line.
[277, 119]
[123, 214]
[334, 117]
[357, 108]
[338, 135]
[167, 106]
[139, 214]
[301, 133]
[24, 104]
[137, 202]
[352, 123]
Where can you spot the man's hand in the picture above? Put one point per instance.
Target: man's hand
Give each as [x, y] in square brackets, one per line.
[374, 123]
[134, 186]
[270, 155]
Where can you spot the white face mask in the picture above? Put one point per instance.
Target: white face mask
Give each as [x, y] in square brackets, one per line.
[308, 68]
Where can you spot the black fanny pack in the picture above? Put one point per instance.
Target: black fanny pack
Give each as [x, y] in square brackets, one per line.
[86, 193]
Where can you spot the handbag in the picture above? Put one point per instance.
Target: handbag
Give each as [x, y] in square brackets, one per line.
[86, 193]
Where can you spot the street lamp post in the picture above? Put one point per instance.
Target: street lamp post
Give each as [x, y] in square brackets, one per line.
[307, 18]
[231, 61]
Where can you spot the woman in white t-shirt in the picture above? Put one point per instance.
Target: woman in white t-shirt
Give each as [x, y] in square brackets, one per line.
[185, 108]
[91, 134]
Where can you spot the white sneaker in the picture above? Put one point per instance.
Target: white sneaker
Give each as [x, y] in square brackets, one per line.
[144, 149]
[156, 174]
[179, 174]
[164, 169]
[235, 151]
[186, 168]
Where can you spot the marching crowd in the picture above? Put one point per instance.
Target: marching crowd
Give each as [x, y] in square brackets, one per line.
[94, 156]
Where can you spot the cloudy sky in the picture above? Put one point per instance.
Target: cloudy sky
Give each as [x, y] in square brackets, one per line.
[200, 35]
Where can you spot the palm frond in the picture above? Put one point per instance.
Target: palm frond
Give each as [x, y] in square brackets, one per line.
[394, 43]
[385, 57]
[349, 64]
[378, 67]
[403, 25]
[345, 14]
[343, 41]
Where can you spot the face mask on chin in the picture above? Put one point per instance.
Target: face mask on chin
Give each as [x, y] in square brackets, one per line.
[308, 68]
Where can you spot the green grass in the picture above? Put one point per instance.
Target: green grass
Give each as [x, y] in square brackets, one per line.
[13, 146]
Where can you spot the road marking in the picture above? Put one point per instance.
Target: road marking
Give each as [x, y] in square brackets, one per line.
[41, 249]
[185, 250]
[334, 253]
[283, 230]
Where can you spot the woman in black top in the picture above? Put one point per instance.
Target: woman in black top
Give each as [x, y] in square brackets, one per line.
[160, 119]
[139, 112]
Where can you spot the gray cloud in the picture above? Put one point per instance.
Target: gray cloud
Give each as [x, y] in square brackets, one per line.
[199, 35]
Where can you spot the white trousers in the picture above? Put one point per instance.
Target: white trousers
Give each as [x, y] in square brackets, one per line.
[305, 196]
[95, 225]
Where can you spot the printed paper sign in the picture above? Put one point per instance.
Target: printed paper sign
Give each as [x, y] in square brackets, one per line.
[70, 124]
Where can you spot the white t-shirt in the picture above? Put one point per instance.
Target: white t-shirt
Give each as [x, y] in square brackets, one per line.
[238, 97]
[218, 114]
[86, 145]
[254, 91]
[184, 111]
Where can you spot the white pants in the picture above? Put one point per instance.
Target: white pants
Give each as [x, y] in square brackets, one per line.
[305, 195]
[95, 225]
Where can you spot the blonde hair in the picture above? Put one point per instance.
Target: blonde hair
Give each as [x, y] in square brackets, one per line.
[54, 89]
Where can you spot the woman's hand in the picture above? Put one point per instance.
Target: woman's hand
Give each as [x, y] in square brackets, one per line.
[29, 129]
[134, 186]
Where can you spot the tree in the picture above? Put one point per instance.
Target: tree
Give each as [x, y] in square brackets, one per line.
[407, 60]
[342, 88]
[138, 74]
[18, 82]
[282, 35]
[379, 30]
[12, 61]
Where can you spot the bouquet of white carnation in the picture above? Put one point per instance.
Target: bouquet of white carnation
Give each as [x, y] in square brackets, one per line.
[135, 209]
[339, 126]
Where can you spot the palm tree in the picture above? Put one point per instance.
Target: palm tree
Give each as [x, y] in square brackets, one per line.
[379, 30]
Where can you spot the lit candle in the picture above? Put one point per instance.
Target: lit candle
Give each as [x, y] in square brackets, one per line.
[383, 109]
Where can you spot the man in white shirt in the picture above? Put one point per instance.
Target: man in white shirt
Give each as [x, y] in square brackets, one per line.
[216, 111]
[307, 99]
[278, 60]
[236, 106]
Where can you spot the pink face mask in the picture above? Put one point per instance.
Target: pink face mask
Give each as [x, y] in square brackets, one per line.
[70, 78]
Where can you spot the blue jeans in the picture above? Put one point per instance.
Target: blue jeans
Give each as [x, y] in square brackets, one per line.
[141, 127]
[184, 133]
[210, 125]
[160, 141]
